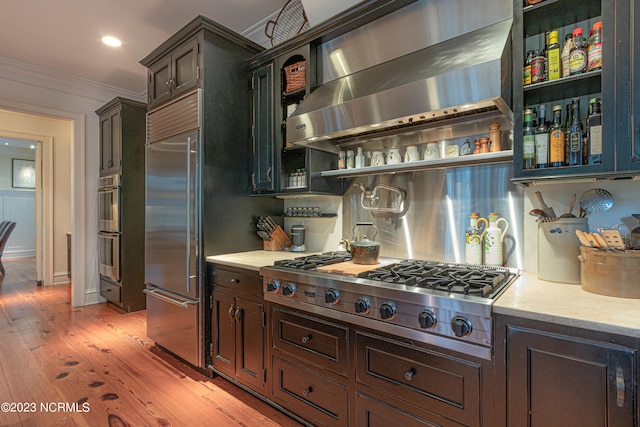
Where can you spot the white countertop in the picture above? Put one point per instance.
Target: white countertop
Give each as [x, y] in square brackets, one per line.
[561, 303]
[528, 297]
[253, 260]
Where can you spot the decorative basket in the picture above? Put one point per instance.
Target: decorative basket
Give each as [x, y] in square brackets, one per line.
[295, 76]
[610, 273]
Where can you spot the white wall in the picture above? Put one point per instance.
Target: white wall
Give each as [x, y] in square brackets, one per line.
[37, 92]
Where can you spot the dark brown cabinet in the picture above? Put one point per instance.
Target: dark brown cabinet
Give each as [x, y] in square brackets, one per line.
[263, 178]
[565, 376]
[174, 74]
[238, 327]
[122, 143]
[438, 388]
[110, 142]
[310, 366]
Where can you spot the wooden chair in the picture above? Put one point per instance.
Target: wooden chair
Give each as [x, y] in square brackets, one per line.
[5, 232]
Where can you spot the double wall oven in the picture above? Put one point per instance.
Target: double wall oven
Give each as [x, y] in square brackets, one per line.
[109, 227]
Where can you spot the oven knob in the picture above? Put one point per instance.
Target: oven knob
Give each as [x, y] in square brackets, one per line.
[387, 310]
[273, 285]
[461, 326]
[332, 296]
[289, 289]
[362, 305]
[427, 319]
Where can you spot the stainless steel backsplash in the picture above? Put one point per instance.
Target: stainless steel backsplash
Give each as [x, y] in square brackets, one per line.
[436, 212]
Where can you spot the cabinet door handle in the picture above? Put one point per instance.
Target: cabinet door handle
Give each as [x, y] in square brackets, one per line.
[269, 175]
[306, 339]
[410, 374]
[620, 388]
[231, 311]
[306, 391]
[253, 181]
[238, 314]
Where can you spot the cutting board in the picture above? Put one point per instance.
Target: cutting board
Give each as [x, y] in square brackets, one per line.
[348, 268]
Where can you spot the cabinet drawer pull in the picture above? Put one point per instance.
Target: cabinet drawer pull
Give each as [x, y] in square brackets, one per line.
[235, 280]
[231, 311]
[620, 389]
[410, 374]
[307, 391]
[306, 339]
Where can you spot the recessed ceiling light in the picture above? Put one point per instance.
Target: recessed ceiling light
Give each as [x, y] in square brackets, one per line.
[111, 41]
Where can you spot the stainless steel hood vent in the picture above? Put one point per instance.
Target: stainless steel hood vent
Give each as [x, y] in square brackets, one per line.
[456, 78]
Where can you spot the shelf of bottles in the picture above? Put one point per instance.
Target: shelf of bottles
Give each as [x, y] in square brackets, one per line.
[562, 95]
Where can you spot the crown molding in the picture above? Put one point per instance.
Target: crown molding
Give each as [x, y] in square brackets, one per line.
[56, 81]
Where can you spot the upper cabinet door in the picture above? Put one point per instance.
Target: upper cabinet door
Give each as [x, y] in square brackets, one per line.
[264, 166]
[110, 142]
[159, 90]
[184, 63]
[174, 74]
[628, 88]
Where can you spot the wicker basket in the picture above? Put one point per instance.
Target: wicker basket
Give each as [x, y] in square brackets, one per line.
[295, 76]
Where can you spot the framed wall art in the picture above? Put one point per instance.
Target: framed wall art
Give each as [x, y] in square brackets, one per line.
[23, 173]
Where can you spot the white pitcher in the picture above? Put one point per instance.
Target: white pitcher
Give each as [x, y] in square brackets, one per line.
[493, 237]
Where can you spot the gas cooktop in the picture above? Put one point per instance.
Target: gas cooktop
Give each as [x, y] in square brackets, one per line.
[464, 279]
[445, 304]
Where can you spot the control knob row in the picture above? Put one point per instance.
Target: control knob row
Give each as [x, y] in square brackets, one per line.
[287, 290]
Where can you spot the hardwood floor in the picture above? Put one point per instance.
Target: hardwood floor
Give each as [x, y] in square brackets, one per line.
[94, 366]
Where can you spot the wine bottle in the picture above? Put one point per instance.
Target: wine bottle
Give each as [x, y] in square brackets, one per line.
[542, 139]
[594, 132]
[528, 142]
[575, 135]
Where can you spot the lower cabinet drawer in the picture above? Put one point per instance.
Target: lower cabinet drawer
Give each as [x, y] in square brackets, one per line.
[438, 383]
[110, 291]
[319, 342]
[373, 413]
[309, 395]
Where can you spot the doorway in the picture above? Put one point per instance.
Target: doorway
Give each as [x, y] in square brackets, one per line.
[32, 235]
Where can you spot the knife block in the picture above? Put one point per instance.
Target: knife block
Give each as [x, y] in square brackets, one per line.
[279, 240]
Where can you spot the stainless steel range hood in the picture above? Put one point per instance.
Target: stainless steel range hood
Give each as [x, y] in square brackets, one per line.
[446, 84]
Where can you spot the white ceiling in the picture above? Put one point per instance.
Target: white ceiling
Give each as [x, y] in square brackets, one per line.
[65, 35]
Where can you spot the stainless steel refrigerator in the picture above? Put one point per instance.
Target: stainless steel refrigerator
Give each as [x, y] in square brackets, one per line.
[197, 204]
[173, 228]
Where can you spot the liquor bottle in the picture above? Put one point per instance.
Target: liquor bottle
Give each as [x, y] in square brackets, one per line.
[556, 139]
[594, 51]
[578, 56]
[528, 142]
[554, 66]
[575, 135]
[542, 139]
[565, 56]
[594, 132]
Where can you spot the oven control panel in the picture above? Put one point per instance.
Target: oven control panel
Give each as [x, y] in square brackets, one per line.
[418, 315]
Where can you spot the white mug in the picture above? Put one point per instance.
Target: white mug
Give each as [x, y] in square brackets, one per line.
[377, 159]
[394, 156]
[412, 154]
[431, 152]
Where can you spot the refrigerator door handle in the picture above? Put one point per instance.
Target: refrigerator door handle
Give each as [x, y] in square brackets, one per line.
[167, 297]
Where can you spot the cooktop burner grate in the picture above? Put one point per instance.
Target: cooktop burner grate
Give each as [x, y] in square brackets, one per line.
[310, 262]
[451, 278]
